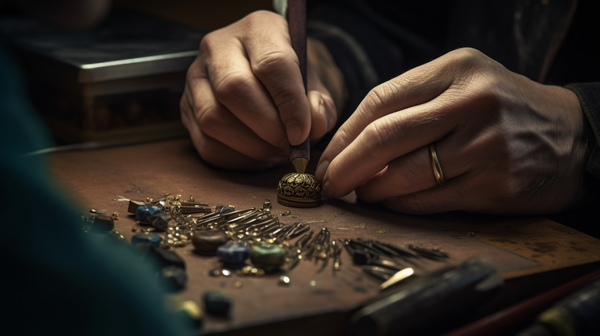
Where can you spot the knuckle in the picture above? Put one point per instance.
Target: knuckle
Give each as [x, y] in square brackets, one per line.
[379, 137]
[270, 62]
[207, 43]
[284, 97]
[467, 58]
[261, 16]
[208, 121]
[376, 97]
[229, 87]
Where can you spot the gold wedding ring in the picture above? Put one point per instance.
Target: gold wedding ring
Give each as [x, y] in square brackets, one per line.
[436, 166]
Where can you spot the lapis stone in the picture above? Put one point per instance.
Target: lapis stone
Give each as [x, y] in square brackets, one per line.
[268, 257]
[167, 257]
[143, 212]
[146, 237]
[233, 253]
[160, 221]
[217, 303]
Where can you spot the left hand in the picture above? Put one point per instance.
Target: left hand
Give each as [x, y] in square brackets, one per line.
[506, 144]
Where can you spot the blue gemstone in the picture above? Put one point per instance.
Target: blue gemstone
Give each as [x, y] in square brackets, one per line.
[217, 303]
[143, 212]
[233, 253]
[146, 237]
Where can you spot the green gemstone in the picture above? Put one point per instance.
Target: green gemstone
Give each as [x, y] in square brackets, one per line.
[268, 257]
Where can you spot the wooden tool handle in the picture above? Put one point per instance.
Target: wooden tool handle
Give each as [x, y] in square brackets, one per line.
[297, 24]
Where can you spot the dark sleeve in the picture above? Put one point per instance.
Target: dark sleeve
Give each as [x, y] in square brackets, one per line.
[377, 40]
[56, 279]
[589, 98]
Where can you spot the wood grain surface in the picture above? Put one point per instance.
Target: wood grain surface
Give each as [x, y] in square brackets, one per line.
[519, 246]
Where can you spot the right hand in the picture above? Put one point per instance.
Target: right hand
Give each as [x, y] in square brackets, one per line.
[244, 101]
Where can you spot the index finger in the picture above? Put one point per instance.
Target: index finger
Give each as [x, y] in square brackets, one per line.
[376, 134]
[414, 87]
[276, 65]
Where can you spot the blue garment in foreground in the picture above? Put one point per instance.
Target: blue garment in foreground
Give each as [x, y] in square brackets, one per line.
[56, 279]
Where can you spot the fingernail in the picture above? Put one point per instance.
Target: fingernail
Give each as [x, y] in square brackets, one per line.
[328, 189]
[321, 169]
[323, 111]
[294, 133]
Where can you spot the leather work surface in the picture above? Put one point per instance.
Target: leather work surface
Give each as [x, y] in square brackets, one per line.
[99, 179]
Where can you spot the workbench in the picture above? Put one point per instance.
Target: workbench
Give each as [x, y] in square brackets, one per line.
[533, 254]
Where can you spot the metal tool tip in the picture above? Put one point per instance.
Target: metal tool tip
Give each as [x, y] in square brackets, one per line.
[300, 165]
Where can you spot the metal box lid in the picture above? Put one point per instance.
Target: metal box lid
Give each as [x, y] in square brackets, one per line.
[127, 44]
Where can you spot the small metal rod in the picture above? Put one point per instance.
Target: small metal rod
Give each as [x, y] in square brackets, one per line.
[244, 216]
[385, 249]
[364, 245]
[432, 254]
[293, 230]
[269, 230]
[304, 239]
[300, 231]
[403, 251]
[237, 213]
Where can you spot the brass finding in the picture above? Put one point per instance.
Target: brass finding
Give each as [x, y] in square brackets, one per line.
[300, 165]
[299, 190]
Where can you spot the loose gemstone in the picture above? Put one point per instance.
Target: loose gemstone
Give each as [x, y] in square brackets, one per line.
[146, 237]
[226, 272]
[214, 272]
[209, 241]
[168, 257]
[143, 212]
[160, 221]
[133, 205]
[217, 303]
[176, 276]
[233, 253]
[268, 257]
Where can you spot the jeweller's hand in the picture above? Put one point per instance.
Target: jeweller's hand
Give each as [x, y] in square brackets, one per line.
[506, 144]
[244, 100]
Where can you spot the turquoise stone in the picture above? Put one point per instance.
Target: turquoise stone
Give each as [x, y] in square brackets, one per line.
[268, 257]
[234, 253]
[144, 212]
[217, 303]
[146, 237]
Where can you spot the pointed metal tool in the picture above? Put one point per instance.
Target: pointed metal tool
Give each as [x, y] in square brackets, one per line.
[399, 276]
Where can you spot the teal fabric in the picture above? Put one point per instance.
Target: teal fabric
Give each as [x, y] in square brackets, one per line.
[56, 279]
